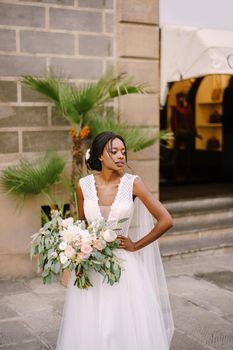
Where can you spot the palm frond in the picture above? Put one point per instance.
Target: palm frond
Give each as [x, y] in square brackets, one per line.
[136, 138]
[48, 86]
[75, 103]
[86, 98]
[126, 87]
[58, 91]
[114, 85]
[33, 178]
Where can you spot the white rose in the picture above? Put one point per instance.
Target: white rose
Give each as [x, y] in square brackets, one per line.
[63, 258]
[109, 235]
[54, 255]
[71, 233]
[87, 155]
[81, 224]
[62, 245]
[85, 237]
[67, 222]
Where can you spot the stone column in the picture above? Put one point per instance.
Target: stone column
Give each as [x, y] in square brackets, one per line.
[138, 55]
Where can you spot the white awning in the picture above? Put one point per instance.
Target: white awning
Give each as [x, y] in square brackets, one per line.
[188, 52]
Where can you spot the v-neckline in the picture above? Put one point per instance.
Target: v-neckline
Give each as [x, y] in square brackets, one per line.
[114, 200]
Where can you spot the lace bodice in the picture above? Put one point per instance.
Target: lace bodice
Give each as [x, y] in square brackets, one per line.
[122, 206]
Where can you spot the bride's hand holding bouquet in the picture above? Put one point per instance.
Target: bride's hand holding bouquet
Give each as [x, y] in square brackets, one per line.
[66, 245]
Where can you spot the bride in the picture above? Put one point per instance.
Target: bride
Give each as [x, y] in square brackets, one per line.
[135, 313]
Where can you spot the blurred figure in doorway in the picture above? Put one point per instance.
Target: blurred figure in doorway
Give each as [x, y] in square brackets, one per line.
[227, 107]
[184, 129]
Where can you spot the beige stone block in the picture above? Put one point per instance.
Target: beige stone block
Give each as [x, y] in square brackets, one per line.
[22, 65]
[17, 266]
[8, 142]
[85, 21]
[22, 15]
[58, 118]
[29, 95]
[8, 91]
[140, 109]
[109, 22]
[45, 42]
[23, 116]
[139, 11]
[96, 4]
[7, 40]
[95, 45]
[18, 226]
[142, 71]
[138, 41]
[15, 236]
[55, 2]
[83, 68]
[42, 141]
[148, 170]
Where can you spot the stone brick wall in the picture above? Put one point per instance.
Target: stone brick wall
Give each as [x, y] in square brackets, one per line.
[80, 39]
[74, 38]
[138, 55]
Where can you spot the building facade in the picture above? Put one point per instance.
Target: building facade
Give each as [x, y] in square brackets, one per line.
[79, 39]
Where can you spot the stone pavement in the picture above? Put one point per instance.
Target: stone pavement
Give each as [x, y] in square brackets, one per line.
[201, 292]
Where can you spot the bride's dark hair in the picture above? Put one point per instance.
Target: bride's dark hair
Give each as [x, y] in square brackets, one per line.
[97, 148]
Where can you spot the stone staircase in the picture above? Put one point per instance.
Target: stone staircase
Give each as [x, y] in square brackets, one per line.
[200, 225]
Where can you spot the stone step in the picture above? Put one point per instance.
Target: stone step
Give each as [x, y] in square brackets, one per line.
[211, 239]
[200, 222]
[199, 205]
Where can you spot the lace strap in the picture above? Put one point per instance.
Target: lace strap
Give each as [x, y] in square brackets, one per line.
[87, 187]
[126, 192]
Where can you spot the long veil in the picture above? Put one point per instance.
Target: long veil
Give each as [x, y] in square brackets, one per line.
[142, 223]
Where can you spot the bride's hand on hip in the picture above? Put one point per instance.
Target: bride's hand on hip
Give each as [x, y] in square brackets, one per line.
[65, 278]
[126, 243]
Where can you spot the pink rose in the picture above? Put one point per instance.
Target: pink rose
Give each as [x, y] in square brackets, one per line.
[99, 245]
[86, 249]
[69, 252]
[79, 257]
[78, 243]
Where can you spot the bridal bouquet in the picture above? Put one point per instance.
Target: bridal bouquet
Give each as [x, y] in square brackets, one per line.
[68, 245]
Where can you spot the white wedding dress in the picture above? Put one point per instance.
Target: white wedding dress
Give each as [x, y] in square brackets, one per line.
[133, 314]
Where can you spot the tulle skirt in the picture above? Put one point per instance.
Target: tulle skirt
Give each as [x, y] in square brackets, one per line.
[125, 316]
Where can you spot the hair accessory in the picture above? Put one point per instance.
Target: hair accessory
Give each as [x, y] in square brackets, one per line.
[87, 155]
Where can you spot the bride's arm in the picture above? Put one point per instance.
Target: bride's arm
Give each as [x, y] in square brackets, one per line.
[160, 213]
[80, 199]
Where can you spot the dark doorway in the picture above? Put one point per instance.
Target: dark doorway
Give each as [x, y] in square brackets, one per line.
[197, 160]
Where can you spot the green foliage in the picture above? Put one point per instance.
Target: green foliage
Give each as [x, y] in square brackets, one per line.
[135, 138]
[75, 103]
[47, 246]
[86, 105]
[33, 178]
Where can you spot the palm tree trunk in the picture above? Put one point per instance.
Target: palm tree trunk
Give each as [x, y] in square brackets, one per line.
[77, 159]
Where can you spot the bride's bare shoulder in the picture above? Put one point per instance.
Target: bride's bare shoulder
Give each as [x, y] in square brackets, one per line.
[139, 186]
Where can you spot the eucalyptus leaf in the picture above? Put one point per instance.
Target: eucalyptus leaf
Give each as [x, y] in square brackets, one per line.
[47, 279]
[45, 273]
[108, 264]
[57, 267]
[122, 220]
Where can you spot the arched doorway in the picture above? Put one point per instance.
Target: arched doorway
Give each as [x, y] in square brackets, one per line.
[207, 165]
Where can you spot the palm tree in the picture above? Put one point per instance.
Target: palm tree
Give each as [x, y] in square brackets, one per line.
[85, 108]
[35, 178]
